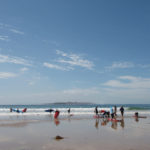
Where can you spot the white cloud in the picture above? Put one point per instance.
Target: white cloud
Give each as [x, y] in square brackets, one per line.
[17, 31]
[14, 60]
[24, 69]
[4, 38]
[53, 66]
[120, 65]
[129, 82]
[74, 60]
[68, 62]
[10, 28]
[6, 75]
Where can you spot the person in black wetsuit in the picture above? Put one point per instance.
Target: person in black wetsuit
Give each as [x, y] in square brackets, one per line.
[106, 114]
[122, 111]
[17, 110]
[69, 111]
[96, 110]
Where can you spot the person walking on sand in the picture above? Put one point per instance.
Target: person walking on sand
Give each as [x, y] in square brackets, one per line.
[122, 111]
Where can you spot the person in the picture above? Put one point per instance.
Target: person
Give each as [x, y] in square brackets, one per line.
[115, 111]
[24, 110]
[136, 114]
[96, 110]
[69, 111]
[106, 114]
[56, 114]
[122, 111]
[10, 109]
[112, 112]
[17, 110]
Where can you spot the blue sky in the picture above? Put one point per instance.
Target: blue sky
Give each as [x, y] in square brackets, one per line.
[72, 50]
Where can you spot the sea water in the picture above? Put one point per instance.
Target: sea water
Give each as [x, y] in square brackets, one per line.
[77, 109]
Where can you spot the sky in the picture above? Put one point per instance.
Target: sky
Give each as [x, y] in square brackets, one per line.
[94, 51]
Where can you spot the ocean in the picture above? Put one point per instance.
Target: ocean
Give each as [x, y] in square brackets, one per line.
[77, 109]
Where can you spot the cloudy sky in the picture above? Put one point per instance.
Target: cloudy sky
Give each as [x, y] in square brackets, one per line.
[71, 50]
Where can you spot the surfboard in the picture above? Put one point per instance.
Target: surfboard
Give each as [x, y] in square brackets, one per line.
[15, 110]
[49, 110]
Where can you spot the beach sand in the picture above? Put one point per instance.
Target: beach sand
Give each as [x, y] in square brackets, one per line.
[78, 134]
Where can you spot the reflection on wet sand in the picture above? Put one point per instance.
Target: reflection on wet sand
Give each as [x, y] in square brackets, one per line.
[96, 123]
[122, 123]
[114, 124]
[16, 124]
[57, 122]
[104, 122]
[136, 119]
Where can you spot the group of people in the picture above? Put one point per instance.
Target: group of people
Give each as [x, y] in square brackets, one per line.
[112, 112]
[57, 112]
[18, 111]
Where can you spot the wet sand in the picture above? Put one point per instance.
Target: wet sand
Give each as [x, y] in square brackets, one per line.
[77, 134]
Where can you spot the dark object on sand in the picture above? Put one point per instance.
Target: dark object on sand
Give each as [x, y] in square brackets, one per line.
[59, 137]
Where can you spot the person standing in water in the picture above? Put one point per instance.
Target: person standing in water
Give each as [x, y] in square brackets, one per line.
[10, 109]
[69, 111]
[122, 111]
[96, 110]
[115, 111]
[112, 112]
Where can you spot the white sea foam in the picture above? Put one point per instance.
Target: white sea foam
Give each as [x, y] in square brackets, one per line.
[63, 111]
